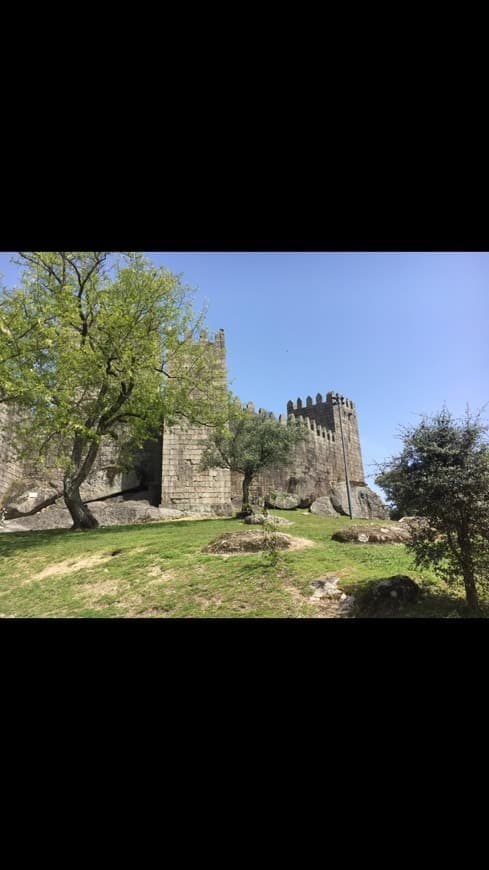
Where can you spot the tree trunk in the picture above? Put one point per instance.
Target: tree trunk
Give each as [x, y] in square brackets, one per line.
[467, 563]
[471, 592]
[81, 515]
[246, 491]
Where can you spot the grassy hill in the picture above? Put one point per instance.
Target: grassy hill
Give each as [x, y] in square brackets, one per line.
[159, 570]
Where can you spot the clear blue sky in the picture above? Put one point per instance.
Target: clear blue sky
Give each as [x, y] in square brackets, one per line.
[400, 334]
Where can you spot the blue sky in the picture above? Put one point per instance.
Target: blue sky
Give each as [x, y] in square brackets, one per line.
[399, 333]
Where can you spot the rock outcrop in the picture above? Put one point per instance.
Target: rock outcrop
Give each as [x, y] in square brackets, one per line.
[365, 503]
[284, 501]
[31, 501]
[372, 535]
[387, 596]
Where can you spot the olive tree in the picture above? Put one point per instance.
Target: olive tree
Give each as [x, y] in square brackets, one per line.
[250, 443]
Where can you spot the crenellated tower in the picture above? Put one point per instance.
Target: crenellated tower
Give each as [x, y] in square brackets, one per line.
[324, 414]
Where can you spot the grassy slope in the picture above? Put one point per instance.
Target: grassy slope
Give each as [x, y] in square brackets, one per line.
[161, 571]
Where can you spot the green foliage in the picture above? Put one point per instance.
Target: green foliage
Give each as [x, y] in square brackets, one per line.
[442, 475]
[95, 347]
[270, 547]
[162, 572]
[250, 442]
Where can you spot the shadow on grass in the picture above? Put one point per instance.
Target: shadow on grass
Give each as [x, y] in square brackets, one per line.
[435, 602]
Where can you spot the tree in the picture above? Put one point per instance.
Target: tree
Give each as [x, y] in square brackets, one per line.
[442, 475]
[249, 443]
[94, 347]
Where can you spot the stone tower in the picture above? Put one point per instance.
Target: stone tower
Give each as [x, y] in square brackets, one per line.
[326, 414]
[183, 485]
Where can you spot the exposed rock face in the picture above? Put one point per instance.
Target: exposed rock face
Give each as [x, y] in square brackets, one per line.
[372, 535]
[414, 522]
[31, 501]
[365, 503]
[170, 514]
[111, 512]
[252, 541]
[327, 588]
[284, 501]
[323, 506]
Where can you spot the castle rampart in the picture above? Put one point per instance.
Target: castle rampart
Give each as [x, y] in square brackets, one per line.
[171, 469]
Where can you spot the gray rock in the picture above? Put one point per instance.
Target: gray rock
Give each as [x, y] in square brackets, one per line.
[325, 588]
[323, 507]
[347, 604]
[389, 594]
[284, 501]
[31, 501]
[372, 535]
[364, 502]
[169, 513]
[338, 506]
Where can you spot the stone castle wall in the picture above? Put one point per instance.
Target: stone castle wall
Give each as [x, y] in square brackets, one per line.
[183, 485]
[323, 416]
[170, 468]
[316, 463]
[10, 466]
[105, 479]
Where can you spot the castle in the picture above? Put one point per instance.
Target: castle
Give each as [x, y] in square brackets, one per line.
[169, 471]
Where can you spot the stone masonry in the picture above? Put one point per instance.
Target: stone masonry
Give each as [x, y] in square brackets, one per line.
[170, 470]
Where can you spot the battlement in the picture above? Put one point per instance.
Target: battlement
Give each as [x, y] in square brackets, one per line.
[216, 338]
[331, 399]
[333, 419]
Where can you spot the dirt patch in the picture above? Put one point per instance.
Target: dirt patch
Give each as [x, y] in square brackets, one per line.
[92, 592]
[295, 593]
[68, 567]
[325, 608]
[300, 543]
[253, 542]
[160, 575]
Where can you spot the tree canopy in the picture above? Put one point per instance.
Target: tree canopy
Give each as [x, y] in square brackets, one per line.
[249, 443]
[96, 346]
[442, 475]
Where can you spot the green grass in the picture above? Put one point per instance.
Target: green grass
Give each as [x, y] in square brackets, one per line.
[162, 572]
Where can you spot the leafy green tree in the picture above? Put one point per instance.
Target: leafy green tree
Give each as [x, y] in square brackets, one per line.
[96, 347]
[442, 475]
[249, 443]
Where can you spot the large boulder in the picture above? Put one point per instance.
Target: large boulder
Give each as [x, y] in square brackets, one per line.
[372, 535]
[388, 595]
[284, 501]
[170, 513]
[324, 507]
[252, 541]
[370, 504]
[31, 501]
[364, 502]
